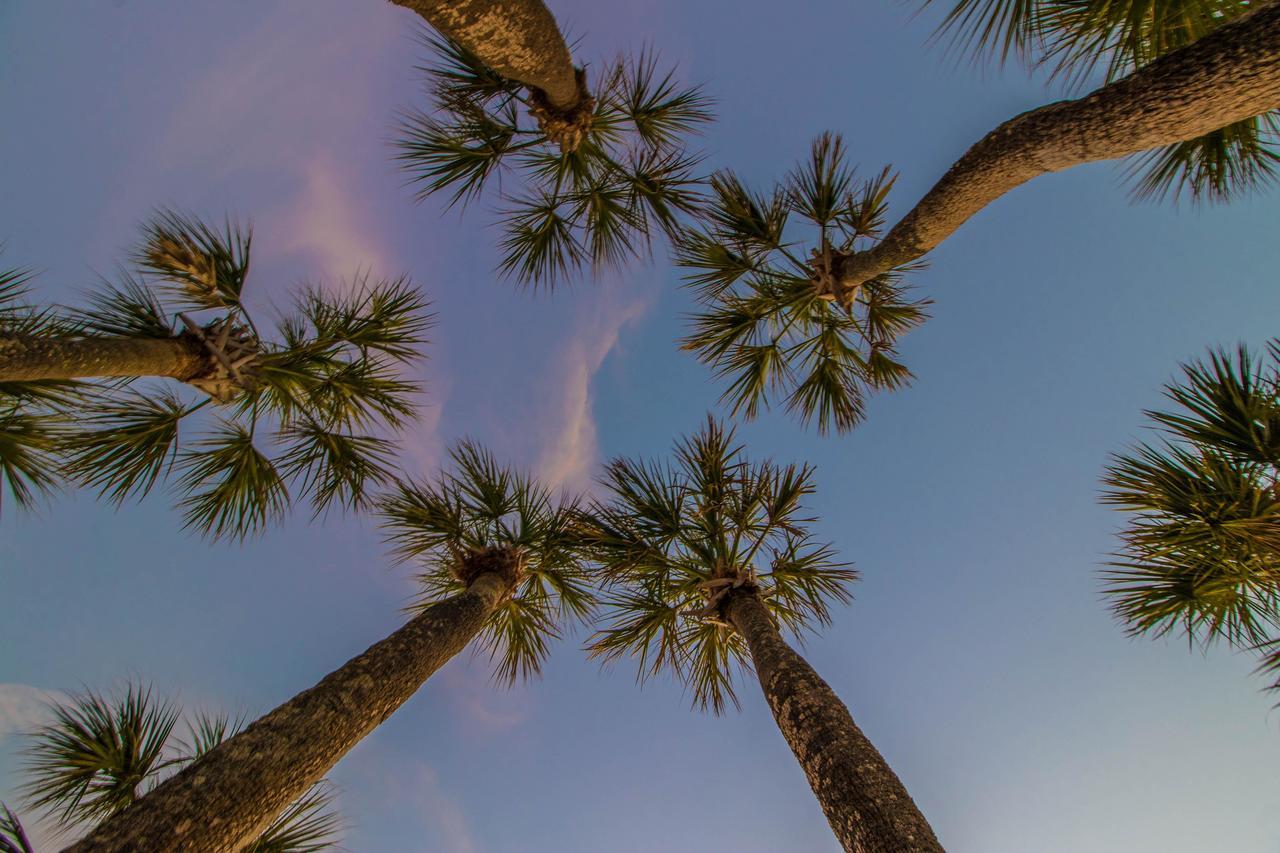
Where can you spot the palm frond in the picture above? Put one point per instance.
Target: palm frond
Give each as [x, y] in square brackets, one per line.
[386, 317]
[1215, 168]
[206, 731]
[29, 463]
[129, 310]
[125, 442]
[13, 837]
[91, 760]
[231, 487]
[335, 466]
[307, 825]
[204, 267]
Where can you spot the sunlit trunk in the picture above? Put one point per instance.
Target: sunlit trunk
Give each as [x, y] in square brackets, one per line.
[1229, 75]
[30, 357]
[227, 798]
[866, 804]
[517, 38]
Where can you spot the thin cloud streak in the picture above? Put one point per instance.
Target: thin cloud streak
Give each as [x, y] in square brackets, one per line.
[23, 707]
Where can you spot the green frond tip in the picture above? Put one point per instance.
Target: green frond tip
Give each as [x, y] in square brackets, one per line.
[477, 505]
[674, 540]
[764, 325]
[590, 193]
[1218, 167]
[122, 444]
[29, 463]
[204, 267]
[1201, 549]
[127, 310]
[307, 825]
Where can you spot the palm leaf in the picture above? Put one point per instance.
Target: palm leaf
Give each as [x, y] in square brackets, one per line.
[124, 443]
[232, 488]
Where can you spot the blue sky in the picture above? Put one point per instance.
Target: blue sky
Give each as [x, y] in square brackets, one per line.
[977, 654]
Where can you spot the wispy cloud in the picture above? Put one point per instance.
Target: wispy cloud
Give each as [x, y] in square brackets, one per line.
[23, 707]
[443, 814]
[570, 446]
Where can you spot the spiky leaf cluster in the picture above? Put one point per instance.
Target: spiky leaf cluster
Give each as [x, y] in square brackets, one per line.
[1074, 38]
[563, 209]
[763, 325]
[1201, 550]
[101, 753]
[313, 411]
[673, 539]
[478, 504]
[13, 836]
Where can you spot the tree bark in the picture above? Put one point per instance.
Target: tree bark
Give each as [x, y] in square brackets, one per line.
[27, 357]
[866, 804]
[517, 38]
[1229, 75]
[226, 799]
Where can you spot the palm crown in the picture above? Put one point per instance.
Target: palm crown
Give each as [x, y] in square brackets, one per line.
[99, 754]
[592, 192]
[672, 541]
[306, 411]
[1075, 37]
[1202, 549]
[474, 510]
[768, 323]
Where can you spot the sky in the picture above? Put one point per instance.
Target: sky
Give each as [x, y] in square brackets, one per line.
[978, 654]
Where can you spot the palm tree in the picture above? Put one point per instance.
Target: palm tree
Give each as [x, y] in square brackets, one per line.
[703, 563]
[100, 754]
[592, 187]
[1205, 98]
[761, 264]
[13, 837]
[1201, 551]
[306, 410]
[500, 559]
[1074, 38]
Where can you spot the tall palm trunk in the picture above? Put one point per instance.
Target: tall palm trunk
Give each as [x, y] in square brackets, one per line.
[227, 798]
[866, 804]
[1229, 75]
[517, 38]
[28, 357]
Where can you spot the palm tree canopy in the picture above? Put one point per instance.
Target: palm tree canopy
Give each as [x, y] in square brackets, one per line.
[101, 753]
[594, 199]
[309, 411]
[1076, 37]
[474, 508]
[764, 267]
[1201, 550]
[672, 540]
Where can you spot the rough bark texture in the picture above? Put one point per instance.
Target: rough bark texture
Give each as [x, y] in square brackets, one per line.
[26, 357]
[517, 38]
[866, 804]
[226, 799]
[1229, 75]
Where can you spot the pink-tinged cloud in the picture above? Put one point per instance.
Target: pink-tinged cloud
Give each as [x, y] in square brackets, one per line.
[480, 707]
[23, 708]
[569, 448]
[443, 814]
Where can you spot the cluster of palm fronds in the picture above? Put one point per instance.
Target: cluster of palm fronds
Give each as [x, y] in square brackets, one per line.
[593, 204]
[306, 412]
[673, 541]
[1202, 551]
[769, 323]
[479, 505]
[1076, 38]
[99, 754]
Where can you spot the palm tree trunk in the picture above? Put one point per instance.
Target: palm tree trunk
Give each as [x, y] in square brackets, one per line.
[226, 799]
[1229, 75]
[27, 357]
[866, 804]
[517, 38]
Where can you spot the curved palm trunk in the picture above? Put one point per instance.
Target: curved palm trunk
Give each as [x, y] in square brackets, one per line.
[226, 799]
[1229, 75]
[28, 357]
[517, 38]
[866, 804]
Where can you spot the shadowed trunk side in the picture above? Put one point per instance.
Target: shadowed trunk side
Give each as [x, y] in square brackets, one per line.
[1229, 75]
[866, 804]
[226, 799]
[27, 357]
[517, 38]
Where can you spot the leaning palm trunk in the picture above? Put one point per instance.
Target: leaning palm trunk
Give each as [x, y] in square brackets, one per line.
[31, 357]
[866, 804]
[227, 798]
[516, 38]
[1230, 75]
